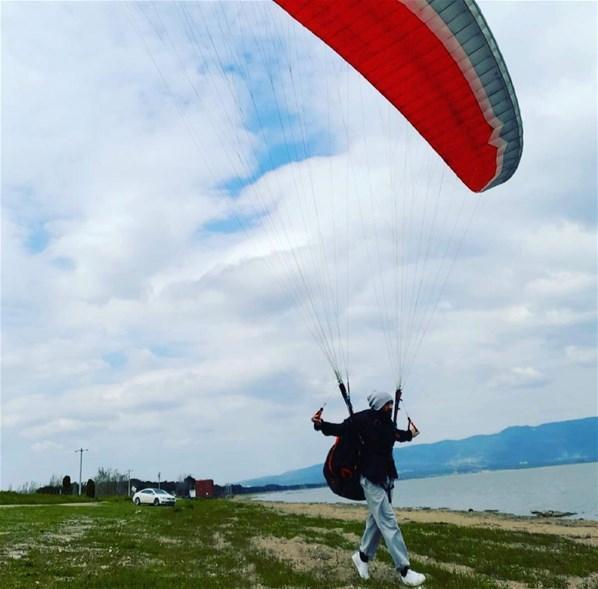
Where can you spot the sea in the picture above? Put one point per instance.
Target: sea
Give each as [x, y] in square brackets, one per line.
[569, 488]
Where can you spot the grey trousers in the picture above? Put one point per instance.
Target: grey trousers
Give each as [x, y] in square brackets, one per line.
[382, 523]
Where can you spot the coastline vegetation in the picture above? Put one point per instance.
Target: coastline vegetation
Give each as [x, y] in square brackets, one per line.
[227, 544]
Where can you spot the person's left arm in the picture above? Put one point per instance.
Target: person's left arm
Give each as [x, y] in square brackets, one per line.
[406, 435]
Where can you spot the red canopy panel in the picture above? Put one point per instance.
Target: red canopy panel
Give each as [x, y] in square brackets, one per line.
[437, 62]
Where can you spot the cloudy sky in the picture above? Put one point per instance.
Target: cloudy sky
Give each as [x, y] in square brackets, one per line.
[197, 200]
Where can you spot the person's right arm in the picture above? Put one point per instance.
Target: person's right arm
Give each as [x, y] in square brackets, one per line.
[327, 428]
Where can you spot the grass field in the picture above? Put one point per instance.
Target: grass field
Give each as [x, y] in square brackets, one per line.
[229, 544]
[13, 498]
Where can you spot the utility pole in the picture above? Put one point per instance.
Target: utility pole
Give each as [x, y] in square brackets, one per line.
[81, 450]
[129, 488]
[159, 479]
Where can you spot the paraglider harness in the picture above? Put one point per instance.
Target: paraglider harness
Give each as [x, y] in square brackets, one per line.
[342, 466]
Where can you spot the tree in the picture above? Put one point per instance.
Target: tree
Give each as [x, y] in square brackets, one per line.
[67, 488]
[90, 488]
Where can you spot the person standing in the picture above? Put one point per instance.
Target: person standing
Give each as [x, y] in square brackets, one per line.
[378, 434]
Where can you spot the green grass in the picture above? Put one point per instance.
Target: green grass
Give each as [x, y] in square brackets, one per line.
[216, 544]
[13, 498]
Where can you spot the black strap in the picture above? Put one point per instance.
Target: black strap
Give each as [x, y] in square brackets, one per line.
[398, 394]
[345, 392]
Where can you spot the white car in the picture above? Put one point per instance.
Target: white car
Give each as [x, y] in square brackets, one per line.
[154, 497]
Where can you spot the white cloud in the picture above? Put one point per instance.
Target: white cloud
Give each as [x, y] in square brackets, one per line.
[54, 426]
[520, 377]
[46, 446]
[127, 319]
[582, 355]
[562, 284]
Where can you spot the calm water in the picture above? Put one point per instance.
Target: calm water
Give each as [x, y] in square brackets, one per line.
[573, 487]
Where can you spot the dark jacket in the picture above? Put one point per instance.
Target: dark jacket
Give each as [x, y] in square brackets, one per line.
[378, 433]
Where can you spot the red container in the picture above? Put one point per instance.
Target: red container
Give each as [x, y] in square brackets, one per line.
[204, 488]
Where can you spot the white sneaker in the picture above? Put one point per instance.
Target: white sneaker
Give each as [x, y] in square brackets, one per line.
[362, 567]
[412, 579]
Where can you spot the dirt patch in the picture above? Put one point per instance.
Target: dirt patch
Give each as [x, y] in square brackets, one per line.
[318, 559]
[577, 582]
[72, 529]
[16, 552]
[59, 540]
[315, 558]
[581, 531]
[306, 557]
[218, 541]
[165, 540]
[461, 569]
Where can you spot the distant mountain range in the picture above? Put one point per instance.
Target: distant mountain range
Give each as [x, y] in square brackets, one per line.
[563, 442]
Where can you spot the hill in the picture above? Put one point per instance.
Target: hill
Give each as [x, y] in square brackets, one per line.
[563, 442]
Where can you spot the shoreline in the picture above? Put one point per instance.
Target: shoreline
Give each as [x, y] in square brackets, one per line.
[585, 531]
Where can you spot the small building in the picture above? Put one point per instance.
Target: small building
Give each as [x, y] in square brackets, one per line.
[204, 488]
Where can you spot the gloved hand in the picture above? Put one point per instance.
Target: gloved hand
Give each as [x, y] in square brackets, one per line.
[317, 420]
[414, 431]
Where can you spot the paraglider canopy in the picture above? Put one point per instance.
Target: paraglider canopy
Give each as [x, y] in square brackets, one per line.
[438, 63]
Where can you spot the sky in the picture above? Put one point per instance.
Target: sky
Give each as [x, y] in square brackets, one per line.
[182, 184]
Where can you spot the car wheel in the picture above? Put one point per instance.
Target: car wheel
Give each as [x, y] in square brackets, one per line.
[137, 501]
[156, 502]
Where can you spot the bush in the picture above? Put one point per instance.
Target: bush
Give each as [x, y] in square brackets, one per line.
[49, 490]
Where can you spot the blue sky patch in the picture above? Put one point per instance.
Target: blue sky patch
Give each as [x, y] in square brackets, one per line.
[38, 239]
[63, 263]
[167, 350]
[226, 226]
[115, 359]
[274, 156]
